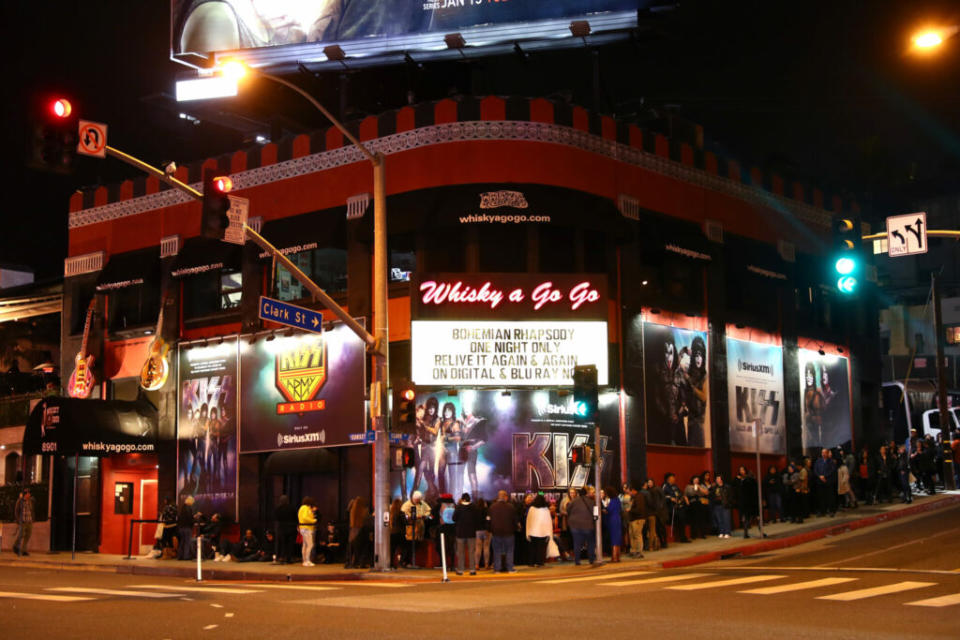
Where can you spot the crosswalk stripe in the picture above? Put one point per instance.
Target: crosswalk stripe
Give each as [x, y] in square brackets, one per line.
[200, 589]
[116, 592]
[798, 586]
[305, 587]
[724, 583]
[676, 578]
[942, 601]
[886, 589]
[41, 596]
[624, 574]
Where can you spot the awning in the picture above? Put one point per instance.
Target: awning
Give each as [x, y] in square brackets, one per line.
[200, 255]
[130, 269]
[308, 231]
[68, 426]
[301, 461]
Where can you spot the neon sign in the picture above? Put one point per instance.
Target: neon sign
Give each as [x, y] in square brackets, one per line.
[433, 292]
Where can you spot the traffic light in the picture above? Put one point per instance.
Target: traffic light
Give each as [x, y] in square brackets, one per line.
[846, 258]
[406, 458]
[54, 142]
[404, 407]
[216, 203]
[581, 454]
[585, 393]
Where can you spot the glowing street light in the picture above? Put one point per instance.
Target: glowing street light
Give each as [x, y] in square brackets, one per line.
[928, 40]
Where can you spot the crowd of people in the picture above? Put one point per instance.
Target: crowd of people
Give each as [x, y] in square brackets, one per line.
[538, 528]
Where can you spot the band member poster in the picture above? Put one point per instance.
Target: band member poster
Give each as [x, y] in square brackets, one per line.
[301, 391]
[518, 441]
[825, 400]
[755, 393]
[675, 383]
[207, 428]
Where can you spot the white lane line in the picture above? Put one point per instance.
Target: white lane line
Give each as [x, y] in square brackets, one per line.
[216, 606]
[798, 586]
[199, 589]
[676, 578]
[116, 592]
[942, 601]
[210, 626]
[40, 596]
[724, 583]
[358, 583]
[624, 574]
[228, 615]
[298, 587]
[886, 589]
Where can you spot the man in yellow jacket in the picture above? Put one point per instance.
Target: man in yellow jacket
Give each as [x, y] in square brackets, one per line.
[307, 516]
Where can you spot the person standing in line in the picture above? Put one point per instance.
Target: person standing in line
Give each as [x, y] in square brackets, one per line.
[539, 528]
[23, 514]
[614, 521]
[844, 490]
[396, 533]
[307, 519]
[773, 493]
[637, 516]
[466, 519]
[566, 541]
[903, 469]
[185, 530]
[168, 518]
[825, 470]
[747, 500]
[720, 503]
[483, 534]
[580, 519]
[504, 523]
[358, 511]
[286, 516]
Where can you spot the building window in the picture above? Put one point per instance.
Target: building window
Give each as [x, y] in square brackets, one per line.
[402, 265]
[131, 307]
[953, 335]
[326, 267]
[208, 293]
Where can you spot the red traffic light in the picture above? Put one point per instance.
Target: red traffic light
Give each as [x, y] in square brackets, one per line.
[223, 184]
[61, 108]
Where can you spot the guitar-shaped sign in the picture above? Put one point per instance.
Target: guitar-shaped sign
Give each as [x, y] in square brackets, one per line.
[156, 369]
[81, 380]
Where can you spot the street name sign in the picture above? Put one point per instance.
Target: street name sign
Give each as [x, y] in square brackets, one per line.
[290, 315]
[907, 234]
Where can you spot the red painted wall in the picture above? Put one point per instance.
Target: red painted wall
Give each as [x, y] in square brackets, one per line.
[115, 529]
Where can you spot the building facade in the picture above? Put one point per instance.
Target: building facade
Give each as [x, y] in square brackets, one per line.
[524, 237]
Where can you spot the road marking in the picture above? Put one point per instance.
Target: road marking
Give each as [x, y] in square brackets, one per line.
[724, 583]
[798, 586]
[40, 596]
[624, 574]
[886, 549]
[356, 583]
[228, 615]
[116, 592]
[942, 601]
[199, 589]
[860, 594]
[305, 587]
[676, 578]
[210, 626]
[216, 606]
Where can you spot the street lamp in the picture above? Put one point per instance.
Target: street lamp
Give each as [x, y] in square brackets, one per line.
[235, 69]
[928, 40]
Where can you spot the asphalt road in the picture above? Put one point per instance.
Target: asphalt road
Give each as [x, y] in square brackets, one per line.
[898, 580]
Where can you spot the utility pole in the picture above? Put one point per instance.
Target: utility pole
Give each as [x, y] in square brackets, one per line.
[598, 509]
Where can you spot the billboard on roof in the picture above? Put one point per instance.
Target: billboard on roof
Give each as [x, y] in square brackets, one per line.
[205, 26]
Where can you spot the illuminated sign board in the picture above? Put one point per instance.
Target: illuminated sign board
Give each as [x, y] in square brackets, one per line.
[507, 329]
[298, 30]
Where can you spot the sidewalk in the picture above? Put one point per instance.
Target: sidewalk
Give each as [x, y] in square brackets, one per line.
[780, 536]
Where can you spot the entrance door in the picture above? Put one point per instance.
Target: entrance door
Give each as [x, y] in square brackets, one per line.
[147, 511]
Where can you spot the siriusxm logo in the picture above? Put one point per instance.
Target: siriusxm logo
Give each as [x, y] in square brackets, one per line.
[754, 367]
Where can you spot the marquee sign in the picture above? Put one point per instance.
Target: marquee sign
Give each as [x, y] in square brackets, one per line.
[507, 329]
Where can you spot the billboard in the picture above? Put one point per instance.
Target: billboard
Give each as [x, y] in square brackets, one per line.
[675, 383]
[203, 26]
[207, 427]
[755, 392]
[301, 391]
[482, 441]
[824, 400]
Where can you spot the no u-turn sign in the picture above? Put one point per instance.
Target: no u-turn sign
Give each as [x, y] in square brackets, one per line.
[92, 140]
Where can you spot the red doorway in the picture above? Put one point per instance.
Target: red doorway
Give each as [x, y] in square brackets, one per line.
[129, 493]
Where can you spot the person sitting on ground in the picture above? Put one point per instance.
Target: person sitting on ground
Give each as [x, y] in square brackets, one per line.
[328, 546]
[248, 549]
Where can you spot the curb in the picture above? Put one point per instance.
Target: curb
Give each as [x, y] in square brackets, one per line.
[816, 534]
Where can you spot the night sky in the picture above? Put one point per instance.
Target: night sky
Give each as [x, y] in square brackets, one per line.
[823, 91]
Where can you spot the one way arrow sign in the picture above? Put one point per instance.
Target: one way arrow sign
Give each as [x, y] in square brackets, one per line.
[907, 234]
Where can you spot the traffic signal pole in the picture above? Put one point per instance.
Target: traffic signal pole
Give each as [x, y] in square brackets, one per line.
[153, 171]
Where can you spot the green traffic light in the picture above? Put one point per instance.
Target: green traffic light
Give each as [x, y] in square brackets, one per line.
[847, 284]
[845, 265]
